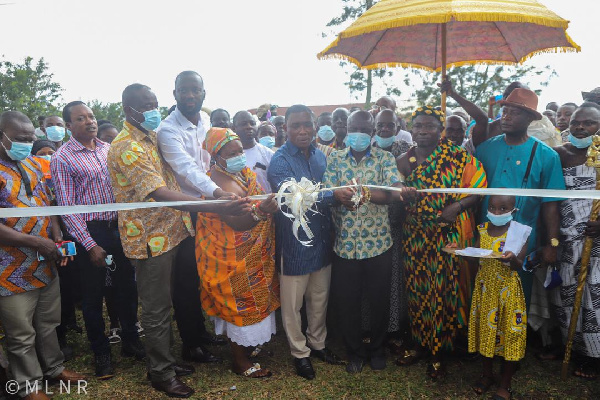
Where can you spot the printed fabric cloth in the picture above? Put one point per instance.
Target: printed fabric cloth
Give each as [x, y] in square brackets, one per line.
[137, 170]
[237, 269]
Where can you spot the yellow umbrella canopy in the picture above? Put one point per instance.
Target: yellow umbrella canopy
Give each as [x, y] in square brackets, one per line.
[415, 33]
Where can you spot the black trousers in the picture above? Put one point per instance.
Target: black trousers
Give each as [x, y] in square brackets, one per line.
[186, 295]
[349, 279]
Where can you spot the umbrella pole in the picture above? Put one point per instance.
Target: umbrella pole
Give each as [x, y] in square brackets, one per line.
[444, 67]
[592, 161]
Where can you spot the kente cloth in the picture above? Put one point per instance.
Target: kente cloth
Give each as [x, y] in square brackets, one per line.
[431, 274]
[498, 323]
[574, 214]
[237, 269]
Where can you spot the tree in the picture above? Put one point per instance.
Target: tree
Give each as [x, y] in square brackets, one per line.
[362, 80]
[478, 83]
[110, 111]
[29, 87]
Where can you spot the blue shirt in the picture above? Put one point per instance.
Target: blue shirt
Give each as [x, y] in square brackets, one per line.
[505, 167]
[289, 162]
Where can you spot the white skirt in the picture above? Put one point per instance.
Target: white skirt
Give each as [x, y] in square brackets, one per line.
[247, 336]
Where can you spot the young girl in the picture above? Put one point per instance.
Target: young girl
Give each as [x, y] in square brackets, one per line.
[498, 323]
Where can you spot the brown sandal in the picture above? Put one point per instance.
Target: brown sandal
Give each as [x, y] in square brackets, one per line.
[409, 357]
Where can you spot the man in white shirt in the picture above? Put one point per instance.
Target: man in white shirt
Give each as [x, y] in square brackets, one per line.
[180, 138]
[258, 157]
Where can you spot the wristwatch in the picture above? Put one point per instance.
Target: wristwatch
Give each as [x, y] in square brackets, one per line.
[554, 242]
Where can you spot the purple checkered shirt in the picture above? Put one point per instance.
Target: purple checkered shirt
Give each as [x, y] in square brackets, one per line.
[80, 177]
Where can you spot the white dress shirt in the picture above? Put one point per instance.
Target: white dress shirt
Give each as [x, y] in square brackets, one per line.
[180, 144]
[262, 155]
[404, 135]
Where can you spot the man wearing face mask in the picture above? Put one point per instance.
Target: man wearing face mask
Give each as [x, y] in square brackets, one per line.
[151, 238]
[325, 134]
[180, 137]
[362, 259]
[575, 226]
[258, 157]
[54, 128]
[386, 126]
[29, 289]
[80, 176]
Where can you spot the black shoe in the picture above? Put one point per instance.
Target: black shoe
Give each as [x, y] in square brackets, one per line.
[304, 368]
[133, 349]
[199, 354]
[104, 368]
[180, 370]
[173, 387]
[327, 356]
[213, 340]
[355, 366]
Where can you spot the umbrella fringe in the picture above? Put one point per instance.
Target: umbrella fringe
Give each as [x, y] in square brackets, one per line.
[441, 19]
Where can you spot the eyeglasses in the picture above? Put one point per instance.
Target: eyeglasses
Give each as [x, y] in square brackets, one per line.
[585, 124]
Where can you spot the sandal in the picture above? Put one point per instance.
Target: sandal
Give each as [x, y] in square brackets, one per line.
[250, 372]
[409, 357]
[483, 384]
[587, 370]
[436, 370]
[498, 396]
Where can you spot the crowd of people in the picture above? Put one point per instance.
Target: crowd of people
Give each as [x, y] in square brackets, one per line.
[380, 268]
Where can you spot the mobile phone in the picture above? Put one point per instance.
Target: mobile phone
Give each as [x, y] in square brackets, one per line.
[66, 248]
[531, 262]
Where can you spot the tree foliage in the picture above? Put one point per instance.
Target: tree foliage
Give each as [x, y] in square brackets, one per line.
[110, 111]
[29, 87]
[478, 83]
[362, 81]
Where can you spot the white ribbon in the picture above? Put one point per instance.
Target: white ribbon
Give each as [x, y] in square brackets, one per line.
[299, 198]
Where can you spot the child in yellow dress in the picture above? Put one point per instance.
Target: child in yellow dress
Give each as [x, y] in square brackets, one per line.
[498, 322]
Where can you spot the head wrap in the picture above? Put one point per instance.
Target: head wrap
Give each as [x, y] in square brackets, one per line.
[216, 138]
[430, 111]
[40, 144]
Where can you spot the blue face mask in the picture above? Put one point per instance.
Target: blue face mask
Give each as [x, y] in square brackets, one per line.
[581, 143]
[384, 143]
[69, 133]
[152, 119]
[267, 141]
[55, 133]
[47, 157]
[500, 219]
[358, 141]
[236, 164]
[325, 133]
[18, 151]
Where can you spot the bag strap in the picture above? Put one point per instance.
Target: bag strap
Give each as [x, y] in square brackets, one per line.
[528, 170]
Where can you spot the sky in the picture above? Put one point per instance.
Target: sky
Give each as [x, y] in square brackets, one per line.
[248, 52]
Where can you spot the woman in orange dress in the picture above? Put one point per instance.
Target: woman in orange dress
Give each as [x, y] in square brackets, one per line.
[236, 257]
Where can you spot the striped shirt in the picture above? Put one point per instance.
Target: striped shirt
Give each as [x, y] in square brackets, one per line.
[81, 176]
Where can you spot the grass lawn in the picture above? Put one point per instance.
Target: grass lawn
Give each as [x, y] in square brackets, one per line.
[535, 380]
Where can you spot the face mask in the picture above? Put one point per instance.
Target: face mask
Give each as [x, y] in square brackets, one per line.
[500, 219]
[236, 164]
[267, 141]
[326, 133]
[358, 141]
[69, 133]
[152, 119]
[55, 133]
[581, 143]
[18, 151]
[47, 157]
[384, 143]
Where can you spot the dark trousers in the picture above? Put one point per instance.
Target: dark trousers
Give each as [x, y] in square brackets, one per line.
[349, 279]
[186, 295]
[93, 280]
[69, 280]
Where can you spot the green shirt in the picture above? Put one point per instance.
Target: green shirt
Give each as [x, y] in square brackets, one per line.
[363, 233]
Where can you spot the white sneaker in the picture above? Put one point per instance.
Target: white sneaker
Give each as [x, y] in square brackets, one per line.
[114, 336]
[140, 330]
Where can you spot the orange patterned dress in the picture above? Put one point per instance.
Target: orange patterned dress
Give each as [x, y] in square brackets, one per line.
[237, 269]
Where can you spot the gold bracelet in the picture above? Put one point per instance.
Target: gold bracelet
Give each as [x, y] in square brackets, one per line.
[366, 197]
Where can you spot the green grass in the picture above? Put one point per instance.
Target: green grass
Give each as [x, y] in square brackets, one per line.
[535, 380]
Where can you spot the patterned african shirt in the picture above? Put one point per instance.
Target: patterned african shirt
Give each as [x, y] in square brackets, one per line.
[22, 185]
[136, 170]
[364, 233]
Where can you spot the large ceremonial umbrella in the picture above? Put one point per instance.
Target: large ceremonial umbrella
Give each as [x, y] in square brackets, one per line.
[436, 34]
